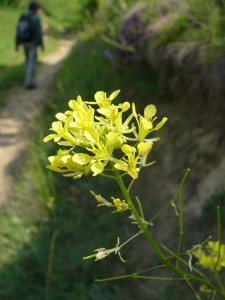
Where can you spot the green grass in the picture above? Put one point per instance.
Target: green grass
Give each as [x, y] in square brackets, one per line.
[8, 17]
[71, 14]
[10, 62]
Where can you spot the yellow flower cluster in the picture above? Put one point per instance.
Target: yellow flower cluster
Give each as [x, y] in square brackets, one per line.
[94, 131]
[212, 258]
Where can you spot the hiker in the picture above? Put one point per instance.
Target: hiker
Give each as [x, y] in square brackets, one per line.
[29, 35]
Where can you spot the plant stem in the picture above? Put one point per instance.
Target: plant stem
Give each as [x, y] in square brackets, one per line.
[107, 176]
[130, 185]
[123, 244]
[152, 242]
[193, 290]
[138, 277]
[173, 255]
[214, 272]
[140, 207]
[181, 228]
[130, 239]
[174, 198]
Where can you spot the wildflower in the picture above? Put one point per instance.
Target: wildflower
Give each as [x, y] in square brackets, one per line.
[96, 134]
[63, 163]
[212, 258]
[103, 252]
[120, 205]
[145, 123]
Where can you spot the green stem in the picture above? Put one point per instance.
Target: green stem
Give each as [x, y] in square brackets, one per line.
[89, 256]
[151, 269]
[123, 244]
[174, 198]
[173, 255]
[152, 242]
[221, 285]
[130, 185]
[212, 296]
[138, 277]
[140, 207]
[107, 176]
[130, 239]
[181, 228]
[219, 240]
[193, 290]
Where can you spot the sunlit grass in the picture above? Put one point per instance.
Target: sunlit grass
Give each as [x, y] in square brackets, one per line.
[8, 21]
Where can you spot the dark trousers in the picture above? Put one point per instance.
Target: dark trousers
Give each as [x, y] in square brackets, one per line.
[30, 51]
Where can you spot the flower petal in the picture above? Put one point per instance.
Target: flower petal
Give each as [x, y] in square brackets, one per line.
[97, 168]
[92, 135]
[150, 111]
[161, 123]
[114, 95]
[143, 148]
[81, 158]
[49, 137]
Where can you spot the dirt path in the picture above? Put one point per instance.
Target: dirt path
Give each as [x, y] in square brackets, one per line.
[22, 106]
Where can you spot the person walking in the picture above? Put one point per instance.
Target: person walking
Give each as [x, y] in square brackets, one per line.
[29, 35]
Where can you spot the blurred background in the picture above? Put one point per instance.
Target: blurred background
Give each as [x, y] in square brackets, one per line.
[168, 53]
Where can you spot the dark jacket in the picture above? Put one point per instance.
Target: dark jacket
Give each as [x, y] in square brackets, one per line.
[37, 37]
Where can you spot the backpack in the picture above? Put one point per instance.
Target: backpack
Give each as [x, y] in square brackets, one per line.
[24, 28]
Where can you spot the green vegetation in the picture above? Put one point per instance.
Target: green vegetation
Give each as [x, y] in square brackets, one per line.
[10, 62]
[51, 223]
[198, 22]
[176, 24]
[69, 15]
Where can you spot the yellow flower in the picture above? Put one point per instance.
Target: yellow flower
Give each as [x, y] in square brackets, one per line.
[63, 163]
[120, 205]
[212, 258]
[144, 147]
[145, 123]
[131, 161]
[97, 136]
[61, 133]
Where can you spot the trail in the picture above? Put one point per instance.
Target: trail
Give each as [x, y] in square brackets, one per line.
[22, 105]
